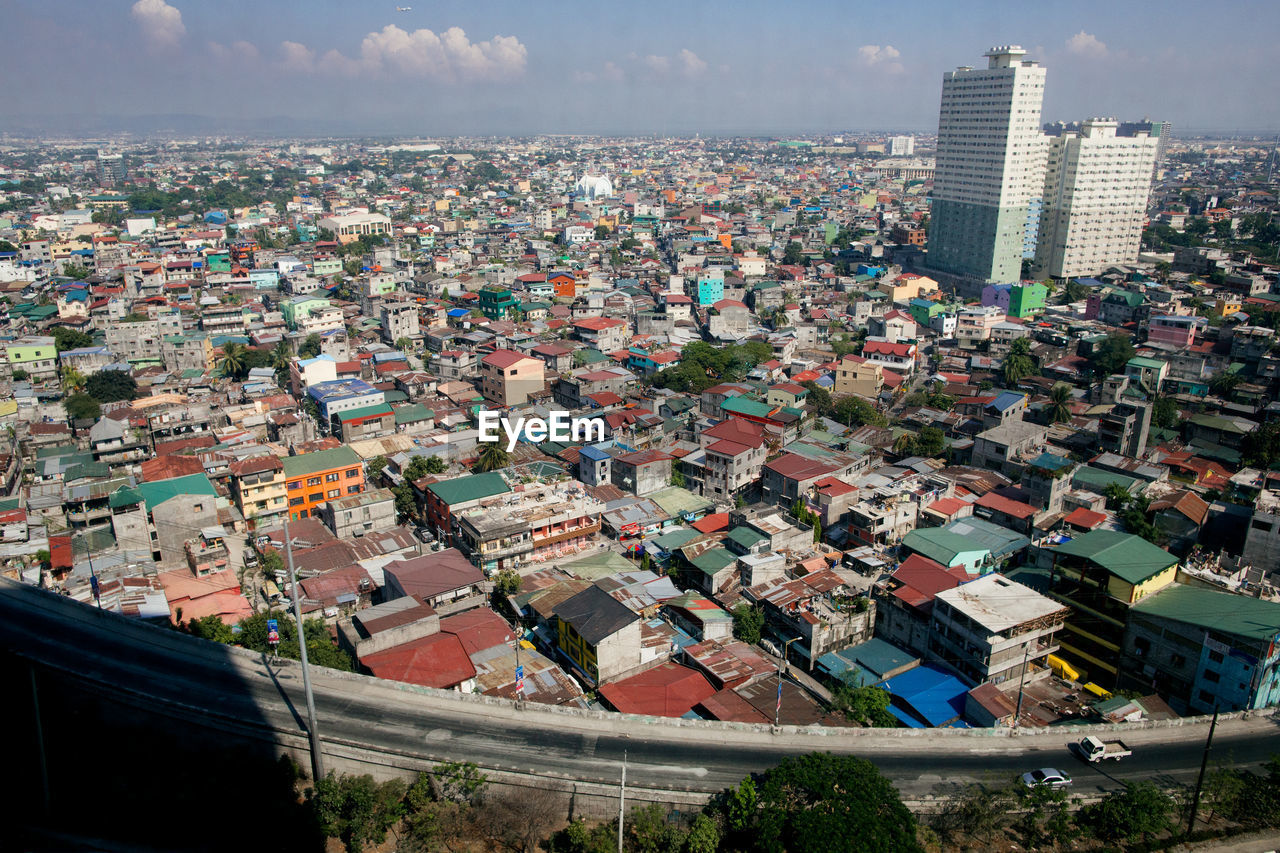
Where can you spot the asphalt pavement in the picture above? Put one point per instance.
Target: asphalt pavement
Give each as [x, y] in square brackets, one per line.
[218, 685]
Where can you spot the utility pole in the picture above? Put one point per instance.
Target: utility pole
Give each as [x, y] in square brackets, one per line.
[1022, 683]
[1204, 763]
[295, 592]
[622, 797]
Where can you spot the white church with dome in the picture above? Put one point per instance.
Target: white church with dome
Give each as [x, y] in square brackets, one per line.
[594, 186]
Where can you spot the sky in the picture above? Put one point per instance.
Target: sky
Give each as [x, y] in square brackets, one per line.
[502, 67]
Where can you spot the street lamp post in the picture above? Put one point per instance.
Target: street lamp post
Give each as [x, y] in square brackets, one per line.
[777, 713]
[317, 760]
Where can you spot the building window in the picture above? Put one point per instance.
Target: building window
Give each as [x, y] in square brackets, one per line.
[1216, 657]
[331, 478]
[333, 493]
[297, 501]
[313, 481]
[1211, 676]
[353, 490]
[315, 497]
[353, 472]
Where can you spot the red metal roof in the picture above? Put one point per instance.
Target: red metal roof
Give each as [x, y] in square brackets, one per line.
[666, 690]
[436, 661]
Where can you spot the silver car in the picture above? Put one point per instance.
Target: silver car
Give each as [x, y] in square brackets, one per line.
[1046, 777]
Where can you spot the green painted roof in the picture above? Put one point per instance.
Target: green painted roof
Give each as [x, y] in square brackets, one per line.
[675, 539]
[745, 538]
[365, 411]
[1097, 480]
[320, 460]
[124, 496]
[598, 565]
[744, 406]
[413, 413]
[470, 488]
[192, 484]
[1213, 610]
[1149, 363]
[940, 545]
[710, 562]
[1219, 423]
[1128, 557]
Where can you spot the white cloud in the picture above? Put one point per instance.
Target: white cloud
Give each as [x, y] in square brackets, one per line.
[161, 23]
[686, 63]
[874, 54]
[297, 56]
[449, 56]
[1086, 44]
[612, 72]
[657, 64]
[690, 64]
[238, 51]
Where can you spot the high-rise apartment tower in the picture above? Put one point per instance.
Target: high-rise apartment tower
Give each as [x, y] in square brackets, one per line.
[990, 167]
[1095, 200]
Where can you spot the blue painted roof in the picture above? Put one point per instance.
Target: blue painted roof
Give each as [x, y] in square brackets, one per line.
[458, 312]
[595, 454]
[935, 696]
[1006, 400]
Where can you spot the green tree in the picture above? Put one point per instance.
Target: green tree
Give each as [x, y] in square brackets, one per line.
[1165, 414]
[435, 465]
[748, 623]
[375, 467]
[234, 361]
[1076, 292]
[82, 407]
[281, 356]
[492, 458]
[1117, 496]
[931, 442]
[321, 650]
[404, 345]
[1224, 383]
[905, 445]
[356, 809]
[1261, 447]
[1141, 811]
[109, 386]
[210, 628]
[793, 254]
[1018, 364]
[602, 232]
[855, 411]
[1111, 355]
[1060, 403]
[66, 339]
[823, 803]
[863, 704]
[406, 503]
[20, 375]
[310, 347]
[506, 582]
[72, 379]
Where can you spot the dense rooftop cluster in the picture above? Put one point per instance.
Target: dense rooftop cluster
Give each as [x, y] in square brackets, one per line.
[810, 448]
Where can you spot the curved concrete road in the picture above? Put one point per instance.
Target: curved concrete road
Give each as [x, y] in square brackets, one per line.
[377, 723]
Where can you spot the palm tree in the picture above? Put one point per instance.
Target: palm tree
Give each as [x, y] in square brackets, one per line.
[905, 444]
[233, 359]
[1059, 397]
[492, 458]
[281, 355]
[72, 379]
